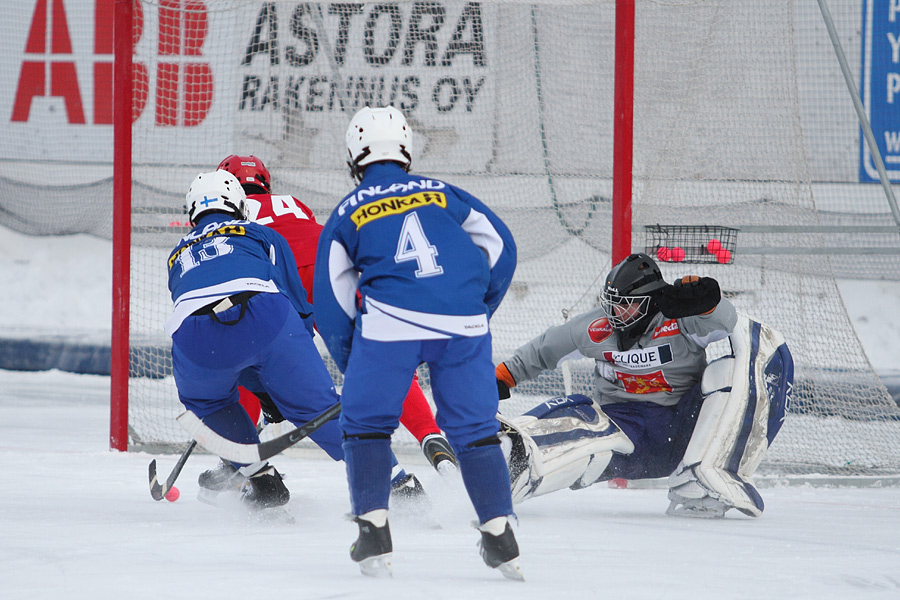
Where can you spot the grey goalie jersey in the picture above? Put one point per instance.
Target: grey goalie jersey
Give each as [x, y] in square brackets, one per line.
[666, 361]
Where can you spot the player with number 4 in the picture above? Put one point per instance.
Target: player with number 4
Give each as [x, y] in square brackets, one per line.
[409, 269]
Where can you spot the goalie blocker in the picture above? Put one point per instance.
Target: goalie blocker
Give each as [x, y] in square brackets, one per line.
[738, 408]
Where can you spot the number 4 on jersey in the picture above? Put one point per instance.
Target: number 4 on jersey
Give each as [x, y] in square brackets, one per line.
[413, 245]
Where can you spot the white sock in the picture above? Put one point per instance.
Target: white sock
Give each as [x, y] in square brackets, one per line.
[377, 517]
[495, 526]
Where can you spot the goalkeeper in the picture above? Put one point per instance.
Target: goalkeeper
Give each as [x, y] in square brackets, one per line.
[658, 408]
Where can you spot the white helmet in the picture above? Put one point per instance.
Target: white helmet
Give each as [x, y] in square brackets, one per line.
[218, 190]
[377, 134]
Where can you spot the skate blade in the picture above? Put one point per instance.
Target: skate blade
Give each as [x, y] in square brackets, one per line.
[447, 468]
[512, 570]
[696, 511]
[230, 502]
[277, 515]
[377, 566]
[206, 496]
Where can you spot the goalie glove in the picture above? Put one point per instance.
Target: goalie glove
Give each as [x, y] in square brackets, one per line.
[689, 296]
[505, 381]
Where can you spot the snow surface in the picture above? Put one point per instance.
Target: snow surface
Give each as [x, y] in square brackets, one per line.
[77, 520]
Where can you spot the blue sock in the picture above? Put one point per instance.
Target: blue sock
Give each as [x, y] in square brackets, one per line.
[368, 473]
[486, 477]
[233, 423]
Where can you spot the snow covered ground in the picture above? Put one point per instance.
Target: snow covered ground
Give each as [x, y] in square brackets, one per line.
[77, 520]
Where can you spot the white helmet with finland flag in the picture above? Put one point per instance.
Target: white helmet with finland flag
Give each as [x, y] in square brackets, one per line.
[216, 191]
[377, 134]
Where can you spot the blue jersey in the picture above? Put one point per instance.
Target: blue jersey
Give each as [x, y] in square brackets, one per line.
[221, 257]
[414, 258]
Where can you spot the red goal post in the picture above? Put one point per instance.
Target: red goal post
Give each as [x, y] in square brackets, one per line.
[588, 126]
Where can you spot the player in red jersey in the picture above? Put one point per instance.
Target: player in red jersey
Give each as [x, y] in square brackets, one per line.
[295, 221]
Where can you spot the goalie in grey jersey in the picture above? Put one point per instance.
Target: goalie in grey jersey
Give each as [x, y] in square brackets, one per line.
[659, 409]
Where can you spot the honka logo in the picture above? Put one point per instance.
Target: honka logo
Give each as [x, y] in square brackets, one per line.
[395, 206]
[599, 330]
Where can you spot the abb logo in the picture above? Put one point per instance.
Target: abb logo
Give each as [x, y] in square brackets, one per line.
[184, 87]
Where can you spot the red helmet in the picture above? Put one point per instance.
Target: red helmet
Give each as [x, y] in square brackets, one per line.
[249, 170]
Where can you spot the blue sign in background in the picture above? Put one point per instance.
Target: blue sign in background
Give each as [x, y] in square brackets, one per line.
[880, 86]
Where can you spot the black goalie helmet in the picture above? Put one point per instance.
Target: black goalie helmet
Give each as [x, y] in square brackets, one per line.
[629, 297]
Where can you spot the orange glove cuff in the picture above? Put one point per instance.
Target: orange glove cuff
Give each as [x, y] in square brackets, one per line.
[504, 375]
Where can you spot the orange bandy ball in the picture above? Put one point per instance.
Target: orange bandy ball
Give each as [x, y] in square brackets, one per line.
[663, 253]
[723, 255]
[676, 254]
[713, 246]
[173, 494]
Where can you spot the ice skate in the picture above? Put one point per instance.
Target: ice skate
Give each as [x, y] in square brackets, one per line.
[265, 489]
[439, 453]
[499, 548]
[408, 494]
[690, 498]
[373, 548]
[223, 478]
[409, 501]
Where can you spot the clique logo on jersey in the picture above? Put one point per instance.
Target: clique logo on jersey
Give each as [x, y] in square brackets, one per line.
[395, 206]
[641, 358]
[599, 330]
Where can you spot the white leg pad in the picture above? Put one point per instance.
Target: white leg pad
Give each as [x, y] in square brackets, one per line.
[556, 452]
[729, 439]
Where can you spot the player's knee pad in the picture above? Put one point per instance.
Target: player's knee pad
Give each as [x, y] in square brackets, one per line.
[564, 442]
[745, 396]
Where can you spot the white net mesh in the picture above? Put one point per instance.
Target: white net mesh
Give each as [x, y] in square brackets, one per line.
[741, 120]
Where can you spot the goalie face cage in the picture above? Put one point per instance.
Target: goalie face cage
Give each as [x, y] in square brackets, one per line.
[514, 103]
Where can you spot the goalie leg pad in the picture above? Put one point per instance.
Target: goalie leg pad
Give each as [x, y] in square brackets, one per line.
[733, 428]
[564, 442]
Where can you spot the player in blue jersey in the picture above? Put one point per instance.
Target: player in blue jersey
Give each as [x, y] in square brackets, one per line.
[409, 269]
[241, 317]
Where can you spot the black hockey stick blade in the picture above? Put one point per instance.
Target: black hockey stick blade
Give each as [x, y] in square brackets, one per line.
[251, 453]
[159, 491]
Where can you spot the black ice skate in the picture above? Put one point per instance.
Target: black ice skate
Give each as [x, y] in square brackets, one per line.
[439, 453]
[501, 551]
[408, 490]
[373, 548]
[410, 502]
[265, 489]
[225, 477]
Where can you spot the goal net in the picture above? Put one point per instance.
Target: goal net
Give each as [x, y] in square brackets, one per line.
[743, 131]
